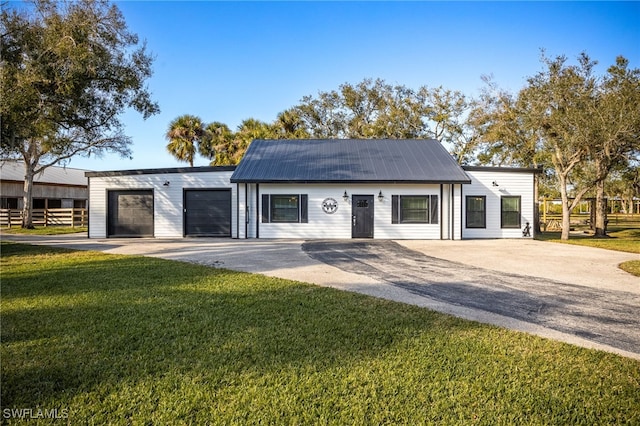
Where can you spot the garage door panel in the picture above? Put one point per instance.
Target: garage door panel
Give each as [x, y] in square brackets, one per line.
[207, 212]
[130, 213]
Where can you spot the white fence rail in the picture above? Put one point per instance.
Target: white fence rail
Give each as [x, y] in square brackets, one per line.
[46, 217]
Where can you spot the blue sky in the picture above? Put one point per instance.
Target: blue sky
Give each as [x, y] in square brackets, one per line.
[228, 61]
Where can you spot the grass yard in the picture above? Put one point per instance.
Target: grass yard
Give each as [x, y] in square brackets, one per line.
[43, 230]
[111, 339]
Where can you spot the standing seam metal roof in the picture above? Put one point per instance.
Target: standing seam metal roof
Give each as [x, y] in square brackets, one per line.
[348, 160]
[11, 170]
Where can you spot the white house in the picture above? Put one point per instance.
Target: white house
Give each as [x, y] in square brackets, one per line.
[374, 188]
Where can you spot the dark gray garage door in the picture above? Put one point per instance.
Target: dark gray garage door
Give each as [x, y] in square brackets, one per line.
[130, 213]
[207, 212]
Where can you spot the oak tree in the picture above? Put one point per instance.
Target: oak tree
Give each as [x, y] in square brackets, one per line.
[69, 69]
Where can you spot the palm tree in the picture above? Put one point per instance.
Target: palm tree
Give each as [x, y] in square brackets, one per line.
[216, 142]
[184, 135]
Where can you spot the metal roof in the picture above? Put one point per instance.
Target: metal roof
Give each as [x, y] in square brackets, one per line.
[11, 170]
[348, 160]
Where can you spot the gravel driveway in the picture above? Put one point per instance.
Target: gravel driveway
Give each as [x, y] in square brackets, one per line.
[605, 316]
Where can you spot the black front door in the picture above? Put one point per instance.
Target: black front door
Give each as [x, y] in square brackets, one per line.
[362, 216]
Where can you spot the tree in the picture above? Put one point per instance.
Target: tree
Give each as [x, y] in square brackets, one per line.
[185, 134]
[289, 125]
[69, 69]
[216, 142]
[376, 109]
[614, 129]
[508, 137]
[625, 185]
[369, 109]
[224, 147]
[447, 113]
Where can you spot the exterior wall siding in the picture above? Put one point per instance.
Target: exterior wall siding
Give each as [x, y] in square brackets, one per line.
[338, 225]
[457, 194]
[509, 184]
[247, 198]
[446, 207]
[168, 200]
[247, 211]
[40, 190]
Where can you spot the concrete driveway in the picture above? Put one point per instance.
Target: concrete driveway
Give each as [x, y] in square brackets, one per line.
[607, 316]
[569, 293]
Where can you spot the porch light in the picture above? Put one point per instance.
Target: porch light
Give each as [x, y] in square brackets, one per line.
[166, 183]
[380, 196]
[345, 196]
[494, 183]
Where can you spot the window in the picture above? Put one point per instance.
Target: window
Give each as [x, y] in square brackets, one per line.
[476, 211]
[414, 209]
[510, 212]
[54, 203]
[284, 208]
[9, 203]
[38, 203]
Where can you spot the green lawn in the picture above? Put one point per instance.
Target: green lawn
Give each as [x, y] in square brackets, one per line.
[134, 340]
[43, 230]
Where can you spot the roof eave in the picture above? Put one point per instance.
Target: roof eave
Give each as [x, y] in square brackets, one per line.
[349, 181]
[202, 169]
[502, 169]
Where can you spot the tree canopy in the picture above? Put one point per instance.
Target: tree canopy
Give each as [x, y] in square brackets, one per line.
[369, 109]
[185, 134]
[69, 69]
[579, 127]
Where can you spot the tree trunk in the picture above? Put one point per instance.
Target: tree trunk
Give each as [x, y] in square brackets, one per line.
[601, 211]
[566, 212]
[27, 216]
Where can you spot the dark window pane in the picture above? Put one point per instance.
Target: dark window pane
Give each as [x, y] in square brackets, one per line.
[510, 212]
[9, 203]
[54, 203]
[476, 213]
[284, 208]
[414, 209]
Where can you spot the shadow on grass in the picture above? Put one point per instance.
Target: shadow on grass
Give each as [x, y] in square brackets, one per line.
[70, 329]
[133, 339]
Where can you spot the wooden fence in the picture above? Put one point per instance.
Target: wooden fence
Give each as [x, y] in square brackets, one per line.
[46, 217]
